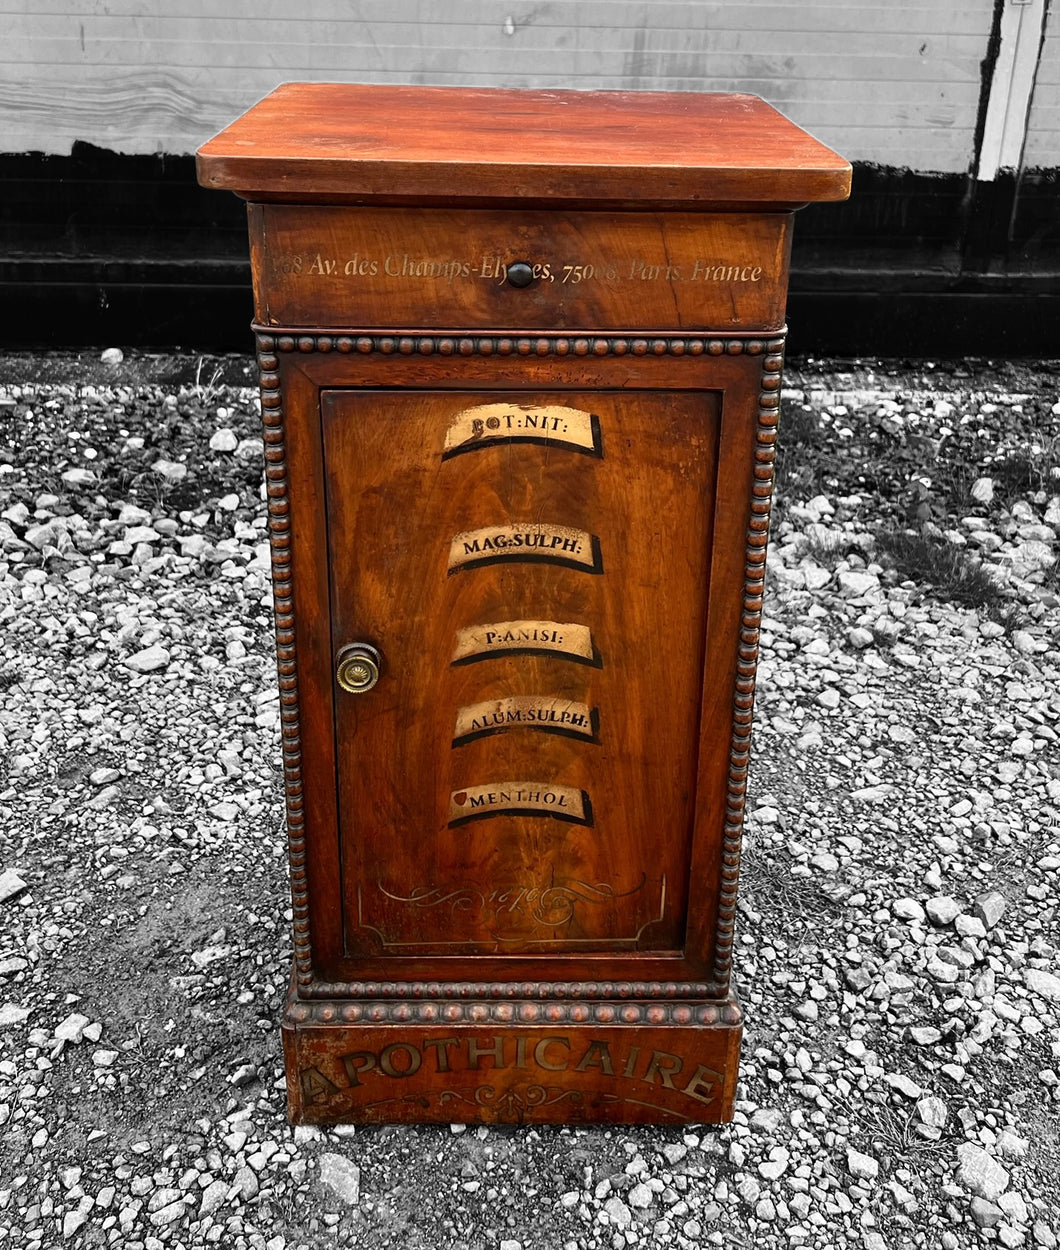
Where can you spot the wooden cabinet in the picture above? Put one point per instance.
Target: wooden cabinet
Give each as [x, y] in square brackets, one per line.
[520, 358]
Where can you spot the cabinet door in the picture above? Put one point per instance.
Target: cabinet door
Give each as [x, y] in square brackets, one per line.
[534, 569]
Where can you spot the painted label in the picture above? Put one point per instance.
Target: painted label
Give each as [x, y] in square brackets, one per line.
[478, 642]
[421, 268]
[520, 798]
[547, 1053]
[552, 715]
[489, 424]
[552, 544]
[518, 1074]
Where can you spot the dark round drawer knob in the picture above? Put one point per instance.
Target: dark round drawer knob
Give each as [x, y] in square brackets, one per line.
[520, 273]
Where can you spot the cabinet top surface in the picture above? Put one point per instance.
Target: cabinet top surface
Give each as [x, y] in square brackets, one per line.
[335, 142]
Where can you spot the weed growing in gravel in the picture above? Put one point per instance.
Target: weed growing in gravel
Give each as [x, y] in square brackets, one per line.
[1027, 470]
[768, 885]
[799, 469]
[950, 570]
[894, 1133]
[209, 391]
[825, 547]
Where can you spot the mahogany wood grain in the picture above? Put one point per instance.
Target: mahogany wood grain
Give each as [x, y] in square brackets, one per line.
[603, 1073]
[436, 268]
[350, 143]
[608, 872]
[724, 384]
[521, 443]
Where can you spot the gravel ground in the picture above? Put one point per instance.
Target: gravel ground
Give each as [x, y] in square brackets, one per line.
[899, 927]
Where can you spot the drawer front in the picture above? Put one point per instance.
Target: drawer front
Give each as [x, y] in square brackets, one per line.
[458, 269]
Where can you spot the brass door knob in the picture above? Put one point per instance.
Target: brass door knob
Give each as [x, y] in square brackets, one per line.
[357, 667]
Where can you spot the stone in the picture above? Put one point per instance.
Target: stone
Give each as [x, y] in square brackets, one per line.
[816, 577]
[1009, 1236]
[989, 908]
[862, 1166]
[212, 1197]
[749, 1190]
[854, 583]
[133, 514]
[149, 660]
[246, 1182]
[970, 926]
[193, 545]
[11, 1014]
[72, 1029]
[775, 1166]
[860, 638]
[766, 1120]
[11, 884]
[986, 1214]
[903, 1085]
[908, 909]
[942, 910]
[944, 973]
[640, 1196]
[142, 534]
[112, 356]
[1043, 1235]
[342, 1177]
[223, 439]
[618, 1213]
[170, 470]
[1042, 983]
[872, 794]
[932, 1111]
[980, 1172]
[52, 533]
[168, 1214]
[79, 478]
[1011, 1145]
[925, 1034]
[1031, 555]
[765, 1210]
[73, 1221]
[1015, 1208]
[982, 490]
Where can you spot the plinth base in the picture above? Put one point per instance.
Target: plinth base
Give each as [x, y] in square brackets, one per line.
[511, 1061]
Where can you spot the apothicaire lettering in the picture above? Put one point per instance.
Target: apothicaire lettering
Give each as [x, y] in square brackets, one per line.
[556, 1052]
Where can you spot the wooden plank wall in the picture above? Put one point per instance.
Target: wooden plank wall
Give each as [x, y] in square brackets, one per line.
[1042, 149]
[893, 83]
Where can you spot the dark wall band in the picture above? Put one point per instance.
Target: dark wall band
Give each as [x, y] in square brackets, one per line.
[98, 249]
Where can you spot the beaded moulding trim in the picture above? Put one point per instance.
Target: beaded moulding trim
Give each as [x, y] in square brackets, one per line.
[449, 1011]
[417, 344]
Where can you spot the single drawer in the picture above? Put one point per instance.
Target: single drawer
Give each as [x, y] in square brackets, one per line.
[328, 266]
